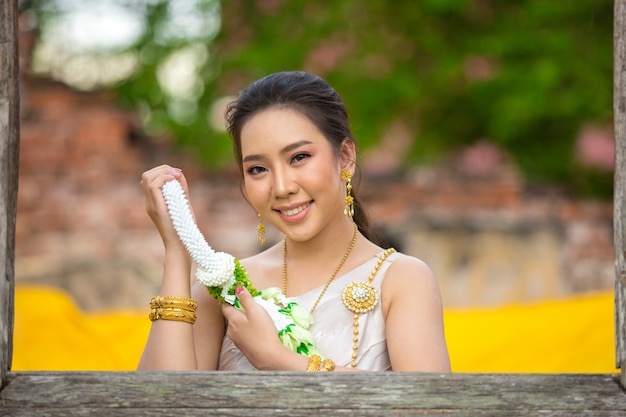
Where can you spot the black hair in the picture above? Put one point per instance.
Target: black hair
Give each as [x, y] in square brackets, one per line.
[310, 96]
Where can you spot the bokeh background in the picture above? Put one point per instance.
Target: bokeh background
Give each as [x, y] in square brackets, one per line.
[486, 149]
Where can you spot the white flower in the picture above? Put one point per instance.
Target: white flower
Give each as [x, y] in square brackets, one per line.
[301, 316]
[214, 268]
[229, 298]
[287, 340]
[220, 272]
[280, 320]
[301, 334]
[273, 293]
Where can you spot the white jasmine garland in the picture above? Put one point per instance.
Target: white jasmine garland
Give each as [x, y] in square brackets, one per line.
[221, 273]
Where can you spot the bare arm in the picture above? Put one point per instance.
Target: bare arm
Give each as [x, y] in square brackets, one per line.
[172, 345]
[414, 318]
[209, 329]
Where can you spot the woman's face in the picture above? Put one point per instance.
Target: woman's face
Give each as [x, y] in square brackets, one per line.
[292, 176]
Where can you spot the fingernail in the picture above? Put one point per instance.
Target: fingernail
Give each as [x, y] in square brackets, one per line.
[239, 289]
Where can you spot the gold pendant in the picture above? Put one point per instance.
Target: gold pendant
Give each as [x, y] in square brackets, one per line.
[359, 297]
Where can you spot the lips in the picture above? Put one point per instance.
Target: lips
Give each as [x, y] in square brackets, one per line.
[295, 210]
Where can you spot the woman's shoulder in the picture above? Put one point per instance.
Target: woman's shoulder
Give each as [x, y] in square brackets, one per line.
[409, 281]
[403, 261]
[407, 270]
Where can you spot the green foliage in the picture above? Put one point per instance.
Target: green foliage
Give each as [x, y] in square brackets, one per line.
[241, 279]
[524, 74]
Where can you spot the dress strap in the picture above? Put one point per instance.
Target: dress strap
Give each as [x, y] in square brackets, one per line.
[361, 297]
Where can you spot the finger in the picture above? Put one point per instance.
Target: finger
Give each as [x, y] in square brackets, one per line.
[156, 177]
[245, 299]
[183, 182]
[246, 303]
[153, 180]
[231, 314]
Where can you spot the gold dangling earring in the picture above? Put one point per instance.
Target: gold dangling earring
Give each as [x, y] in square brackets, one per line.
[261, 231]
[349, 204]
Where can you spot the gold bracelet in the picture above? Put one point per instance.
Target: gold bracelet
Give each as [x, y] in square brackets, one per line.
[316, 364]
[174, 314]
[328, 366]
[168, 301]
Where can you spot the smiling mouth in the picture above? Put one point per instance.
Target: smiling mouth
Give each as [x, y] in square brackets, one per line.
[294, 211]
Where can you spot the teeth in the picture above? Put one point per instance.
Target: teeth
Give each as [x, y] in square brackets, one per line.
[295, 211]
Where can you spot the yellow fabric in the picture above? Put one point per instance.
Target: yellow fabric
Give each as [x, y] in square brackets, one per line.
[52, 333]
[574, 335]
[555, 336]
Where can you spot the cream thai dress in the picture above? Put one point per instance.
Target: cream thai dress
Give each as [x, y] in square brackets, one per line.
[333, 326]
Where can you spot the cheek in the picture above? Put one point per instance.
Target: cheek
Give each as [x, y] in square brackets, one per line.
[256, 193]
[332, 178]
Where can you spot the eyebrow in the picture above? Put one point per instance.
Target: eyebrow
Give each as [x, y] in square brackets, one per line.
[286, 149]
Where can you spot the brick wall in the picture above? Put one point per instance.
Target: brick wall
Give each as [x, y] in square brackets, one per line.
[82, 225]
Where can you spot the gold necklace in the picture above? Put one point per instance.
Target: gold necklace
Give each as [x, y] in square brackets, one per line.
[332, 277]
[360, 298]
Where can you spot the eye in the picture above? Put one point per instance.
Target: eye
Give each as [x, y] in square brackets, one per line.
[299, 157]
[255, 170]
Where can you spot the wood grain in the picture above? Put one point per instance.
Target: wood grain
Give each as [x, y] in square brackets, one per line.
[9, 146]
[302, 394]
[619, 192]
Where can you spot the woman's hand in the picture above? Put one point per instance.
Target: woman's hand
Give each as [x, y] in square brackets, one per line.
[151, 183]
[254, 333]
[170, 344]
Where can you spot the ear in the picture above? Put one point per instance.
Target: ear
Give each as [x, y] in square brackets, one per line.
[347, 155]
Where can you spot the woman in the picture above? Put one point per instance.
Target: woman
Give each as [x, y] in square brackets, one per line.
[297, 156]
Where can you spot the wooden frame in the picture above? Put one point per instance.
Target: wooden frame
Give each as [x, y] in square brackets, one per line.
[294, 393]
[619, 192]
[9, 148]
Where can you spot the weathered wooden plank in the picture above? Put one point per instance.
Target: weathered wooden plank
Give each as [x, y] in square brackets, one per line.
[9, 141]
[256, 412]
[619, 192]
[292, 393]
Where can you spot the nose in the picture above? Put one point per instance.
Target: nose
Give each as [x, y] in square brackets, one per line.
[284, 183]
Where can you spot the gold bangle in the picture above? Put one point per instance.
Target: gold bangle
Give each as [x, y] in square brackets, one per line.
[180, 315]
[174, 314]
[328, 366]
[316, 364]
[167, 301]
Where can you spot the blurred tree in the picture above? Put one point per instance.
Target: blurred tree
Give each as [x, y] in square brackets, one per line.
[527, 75]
